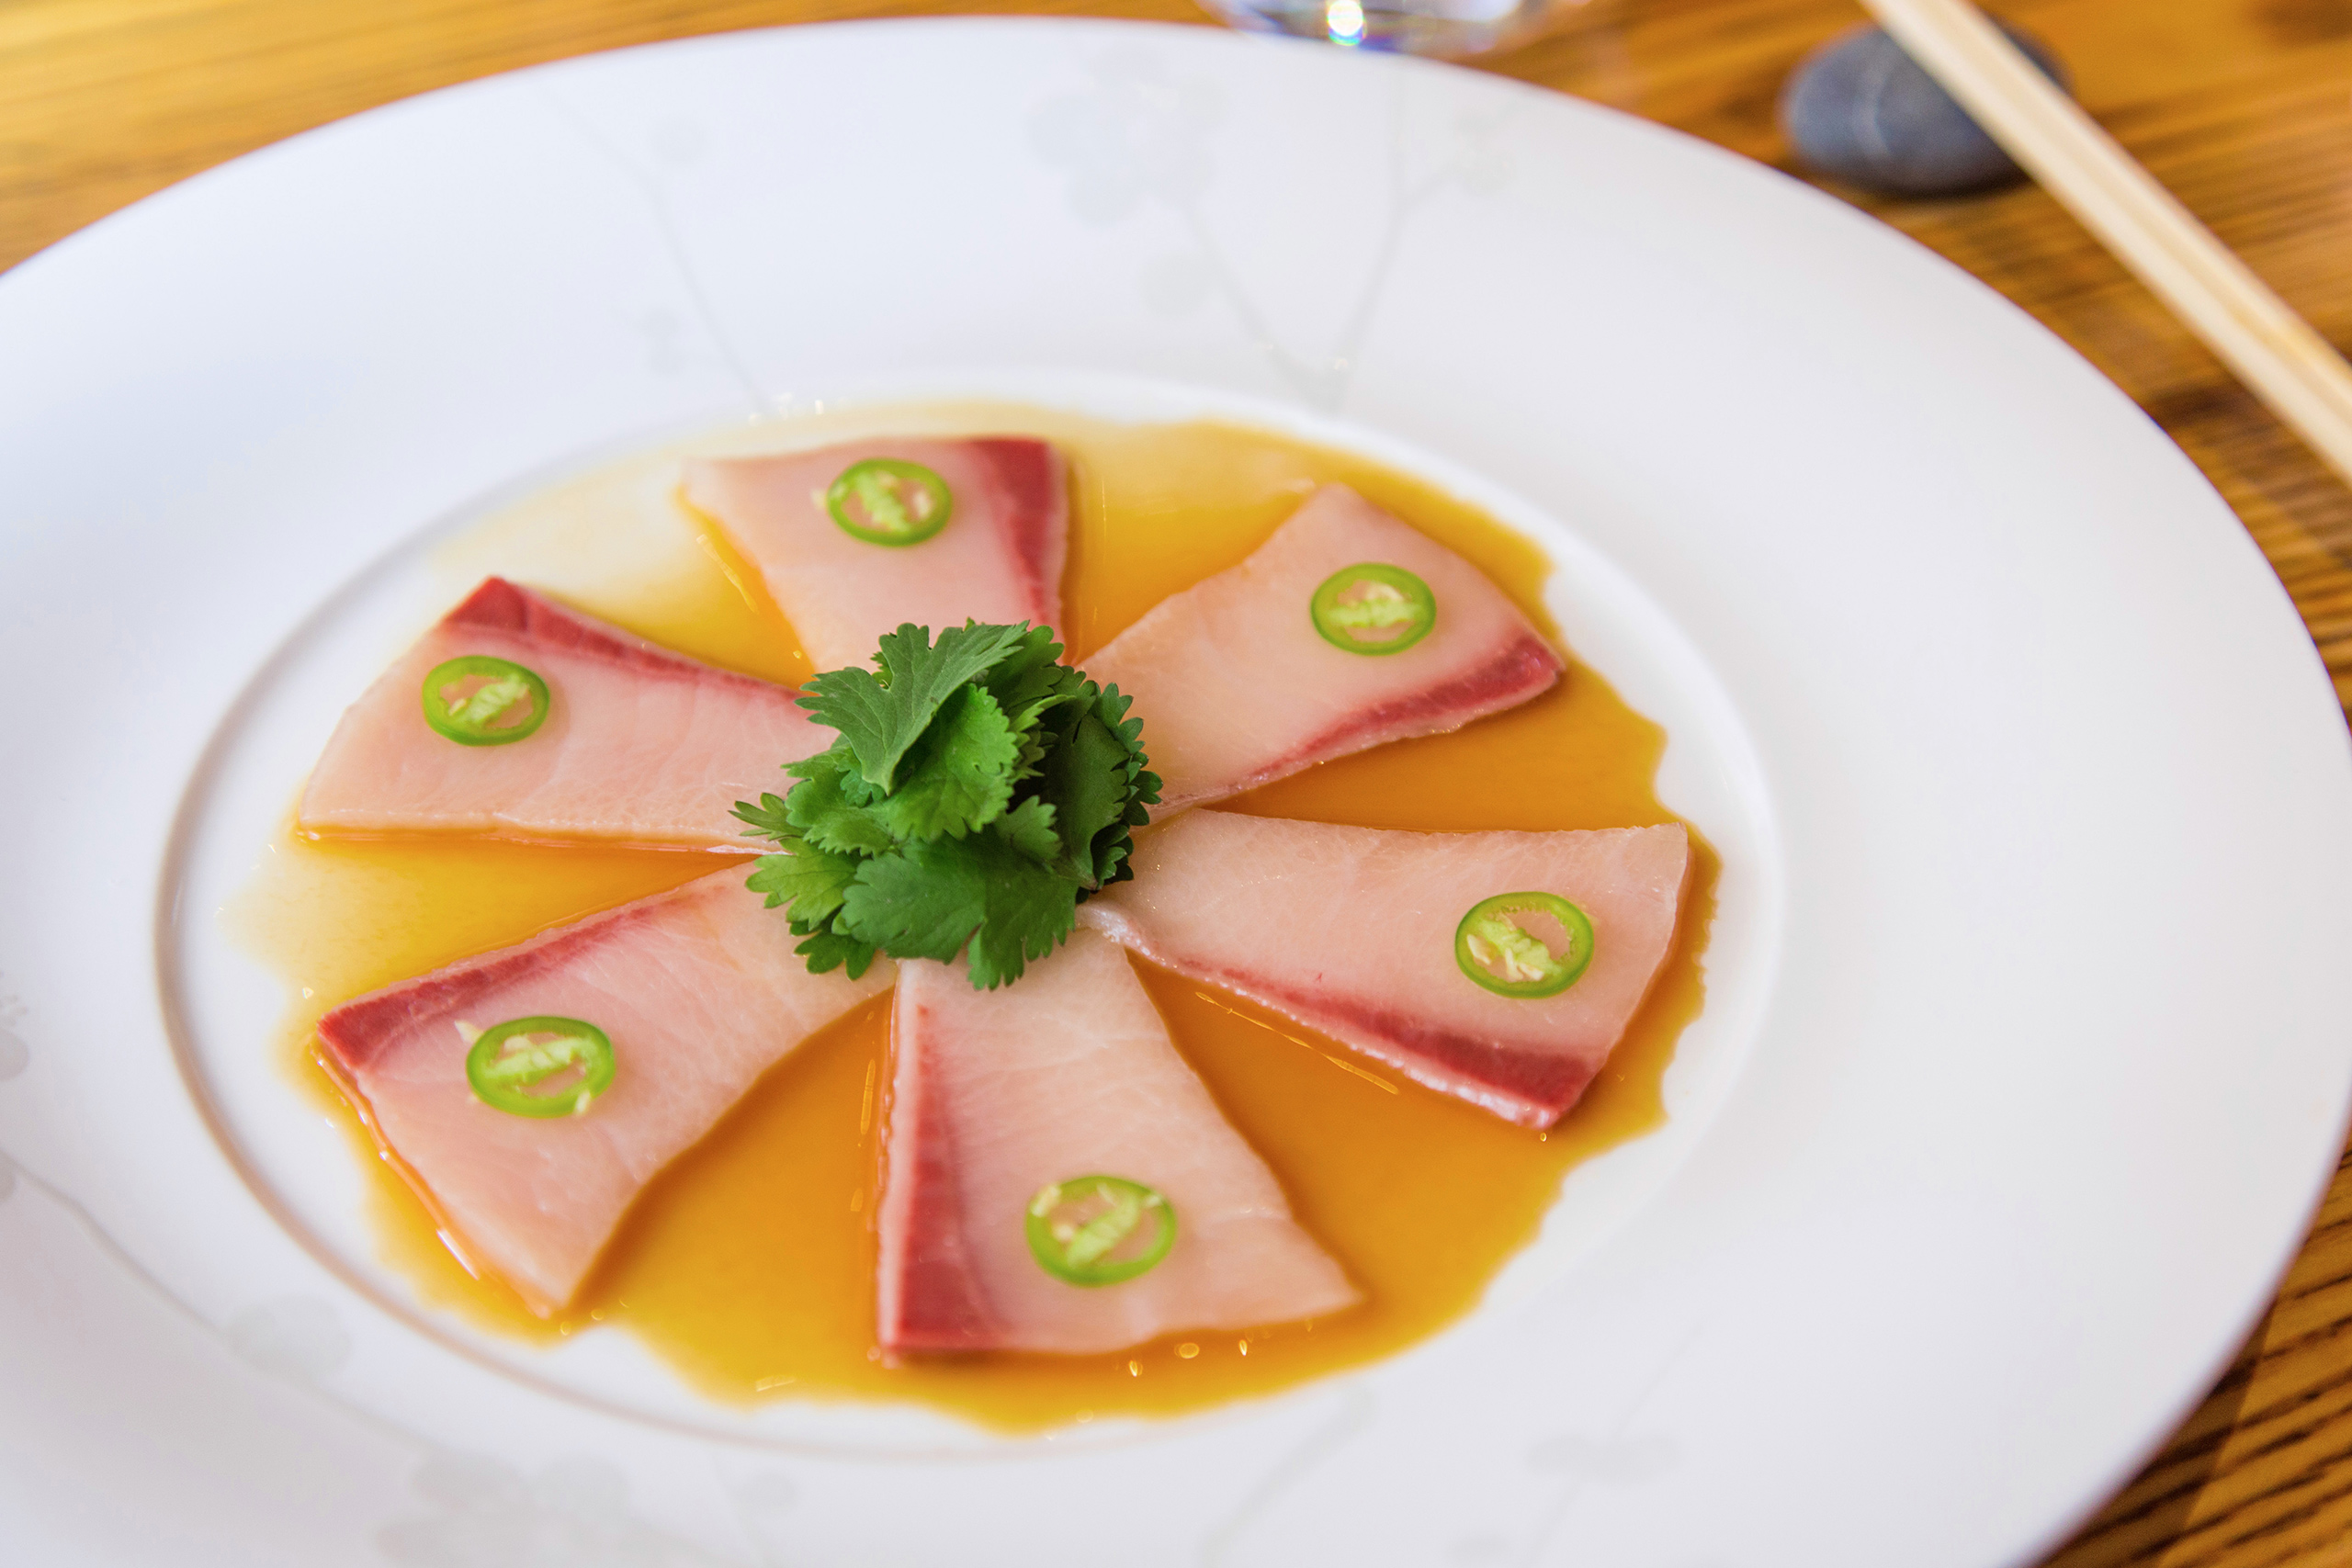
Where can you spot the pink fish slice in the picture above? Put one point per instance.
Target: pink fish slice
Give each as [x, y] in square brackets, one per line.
[1247, 676]
[1366, 934]
[997, 558]
[624, 744]
[696, 993]
[1002, 1099]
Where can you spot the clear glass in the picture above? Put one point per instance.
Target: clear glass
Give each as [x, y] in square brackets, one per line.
[1450, 28]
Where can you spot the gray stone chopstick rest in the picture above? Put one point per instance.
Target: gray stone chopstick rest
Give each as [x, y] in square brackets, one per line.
[1860, 109]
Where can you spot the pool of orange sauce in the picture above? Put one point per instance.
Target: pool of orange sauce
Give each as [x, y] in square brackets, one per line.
[748, 1264]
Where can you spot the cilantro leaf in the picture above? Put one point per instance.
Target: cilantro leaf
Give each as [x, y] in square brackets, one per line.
[820, 812]
[840, 761]
[978, 789]
[958, 776]
[1025, 923]
[923, 901]
[881, 716]
[1111, 707]
[1029, 828]
[1087, 774]
[768, 820]
[929, 899]
[809, 880]
[1113, 844]
[830, 950]
[1025, 681]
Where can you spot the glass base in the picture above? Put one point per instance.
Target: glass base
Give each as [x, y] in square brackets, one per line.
[1448, 29]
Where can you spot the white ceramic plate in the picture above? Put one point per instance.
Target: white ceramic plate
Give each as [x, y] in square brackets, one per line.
[2026, 1047]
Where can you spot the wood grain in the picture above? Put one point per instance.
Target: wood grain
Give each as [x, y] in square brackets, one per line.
[2274, 353]
[2242, 107]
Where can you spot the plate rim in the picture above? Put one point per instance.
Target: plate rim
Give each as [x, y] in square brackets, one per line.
[18, 275]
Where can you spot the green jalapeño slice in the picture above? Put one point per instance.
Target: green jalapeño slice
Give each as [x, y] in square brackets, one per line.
[885, 501]
[540, 1067]
[1371, 607]
[1098, 1230]
[481, 700]
[1524, 944]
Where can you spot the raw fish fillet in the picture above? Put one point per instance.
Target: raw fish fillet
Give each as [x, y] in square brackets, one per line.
[700, 992]
[1067, 1073]
[999, 560]
[1350, 930]
[640, 745]
[1236, 688]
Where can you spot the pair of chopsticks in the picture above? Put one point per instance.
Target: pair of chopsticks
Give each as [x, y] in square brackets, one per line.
[2275, 352]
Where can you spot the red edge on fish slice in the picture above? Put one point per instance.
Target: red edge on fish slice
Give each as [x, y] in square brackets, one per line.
[1235, 687]
[1068, 1073]
[1029, 476]
[641, 745]
[999, 560]
[1350, 930]
[698, 990]
[927, 1296]
[1522, 668]
[500, 605]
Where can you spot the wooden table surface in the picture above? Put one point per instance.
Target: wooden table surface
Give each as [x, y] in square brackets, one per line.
[2243, 107]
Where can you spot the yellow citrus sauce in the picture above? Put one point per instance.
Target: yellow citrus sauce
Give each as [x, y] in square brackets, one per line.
[749, 1264]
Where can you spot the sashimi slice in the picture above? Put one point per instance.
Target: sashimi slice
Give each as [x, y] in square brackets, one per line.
[700, 993]
[1068, 1073]
[998, 558]
[639, 745]
[1235, 687]
[1350, 930]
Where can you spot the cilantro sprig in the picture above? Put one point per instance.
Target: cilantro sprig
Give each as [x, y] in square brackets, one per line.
[978, 789]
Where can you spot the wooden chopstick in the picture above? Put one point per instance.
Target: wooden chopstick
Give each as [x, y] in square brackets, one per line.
[2275, 352]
